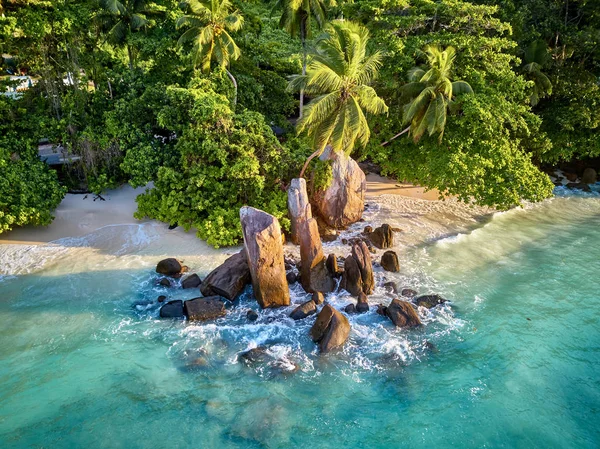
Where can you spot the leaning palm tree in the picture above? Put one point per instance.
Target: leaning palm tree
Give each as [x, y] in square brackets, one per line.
[122, 18]
[430, 94]
[338, 78]
[297, 18]
[210, 22]
[536, 56]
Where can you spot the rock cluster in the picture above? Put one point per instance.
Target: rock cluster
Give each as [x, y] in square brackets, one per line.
[358, 271]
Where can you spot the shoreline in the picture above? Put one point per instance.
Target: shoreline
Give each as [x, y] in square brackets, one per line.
[401, 203]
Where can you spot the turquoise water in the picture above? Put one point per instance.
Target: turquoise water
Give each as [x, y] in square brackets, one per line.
[513, 361]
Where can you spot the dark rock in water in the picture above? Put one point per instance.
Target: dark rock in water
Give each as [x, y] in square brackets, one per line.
[172, 309]
[382, 237]
[229, 279]
[408, 293]
[367, 230]
[571, 176]
[255, 355]
[331, 329]
[392, 287]
[389, 261]
[318, 298]
[362, 306]
[192, 281]
[332, 266]
[350, 309]
[381, 310]
[589, 176]
[203, 309]
[252, 315]
[429, 301]
[344, 241]
[431, 347]
[165, 282]
[291, 277]
[161, 298]
[579, 186]
[351, 278]
[169, 267]
[264, 248]
[302, 311]
[402, 314]
[361, 254]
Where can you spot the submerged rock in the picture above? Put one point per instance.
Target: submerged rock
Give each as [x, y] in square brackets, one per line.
[252, 315]
[169, 267]
[350, 309]
[429, 301]
[389, 261]
[161, 298]
[304, 310]
[264, 248]
[331, 329]
[408, 293]
[228, 279]
[203, 309]
[165, 282]
[172, 309]
[192, 281]
[392, 287]
[402, 314]
[342, 202]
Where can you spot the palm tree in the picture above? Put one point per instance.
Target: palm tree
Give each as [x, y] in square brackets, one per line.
[338, 75]
[210, 22]
[536, 56]
[431, 94]
[123, 18]
[296, 18]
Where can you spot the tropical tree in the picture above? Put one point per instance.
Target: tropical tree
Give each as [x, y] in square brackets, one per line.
[297, 18]
[123, 18]
[210, 22]
[431, 94]
[536, 56]
[338, 77]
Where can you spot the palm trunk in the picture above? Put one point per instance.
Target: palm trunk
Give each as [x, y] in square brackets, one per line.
[304, 56]
[235, 87]
[130, 54]
[395, 137]
[310, 158]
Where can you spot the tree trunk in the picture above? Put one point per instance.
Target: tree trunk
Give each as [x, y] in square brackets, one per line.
[310, 158]
[130, 54]
[235, 87]
[304, 56]
[395, 137]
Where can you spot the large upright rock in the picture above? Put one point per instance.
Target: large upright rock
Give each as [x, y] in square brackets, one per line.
[362, 255]
[264, 248]
[314, 275]
[382, 237]
[351, 277]
[331, 329]
[342, 203]
[228, 279]
[298, 206]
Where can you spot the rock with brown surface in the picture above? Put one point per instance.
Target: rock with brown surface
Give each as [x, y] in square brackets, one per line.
[228, 279]
[192, 281]
[332, 266]
[169, 267]
[351, 277]
[303, 310]
[342, 202]
[390, 262]
[318, 298]
[409, 293]
[361, 254]
[331, 329]
[264, 248]
[298, 207]
[589, 176]
[402, 314]
[362, 305]
[314, 275]
[203, 309]
[382, 237]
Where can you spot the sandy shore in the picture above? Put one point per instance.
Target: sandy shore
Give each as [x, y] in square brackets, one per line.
[79, 215]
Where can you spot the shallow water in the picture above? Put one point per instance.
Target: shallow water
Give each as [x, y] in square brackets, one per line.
[512, 361]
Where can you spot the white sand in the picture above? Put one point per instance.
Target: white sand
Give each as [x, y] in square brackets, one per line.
[404, 205]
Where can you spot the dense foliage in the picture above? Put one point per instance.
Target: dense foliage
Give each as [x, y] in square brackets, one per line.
[118, 83]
